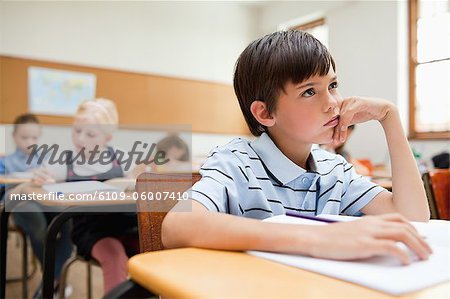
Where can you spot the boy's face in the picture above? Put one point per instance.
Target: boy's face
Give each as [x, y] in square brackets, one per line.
[306, 112]
[26, 135]
[87, 134]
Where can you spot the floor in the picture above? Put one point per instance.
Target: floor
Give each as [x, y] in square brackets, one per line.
[76, 276]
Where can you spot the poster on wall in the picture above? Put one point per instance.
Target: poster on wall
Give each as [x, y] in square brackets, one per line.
[58, 92]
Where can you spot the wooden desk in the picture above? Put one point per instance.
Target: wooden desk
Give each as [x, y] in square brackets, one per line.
[72, 208]
[4, 179]
[201, 273]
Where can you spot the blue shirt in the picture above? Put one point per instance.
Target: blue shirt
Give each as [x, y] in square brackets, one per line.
[256, 180]
[17, 162]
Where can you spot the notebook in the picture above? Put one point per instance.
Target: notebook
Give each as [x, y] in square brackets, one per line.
[383, 273]
[80, 187]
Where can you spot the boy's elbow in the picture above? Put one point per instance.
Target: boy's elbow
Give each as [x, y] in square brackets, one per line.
[181, 229]
[170, 235]
[427, 215]
[423, 216]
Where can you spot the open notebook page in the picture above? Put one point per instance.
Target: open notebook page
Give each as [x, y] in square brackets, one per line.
[382, 273]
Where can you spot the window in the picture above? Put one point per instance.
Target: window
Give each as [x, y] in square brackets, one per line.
[429, 75]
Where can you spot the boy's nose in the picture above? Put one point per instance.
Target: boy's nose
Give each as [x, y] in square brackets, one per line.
[332, 104]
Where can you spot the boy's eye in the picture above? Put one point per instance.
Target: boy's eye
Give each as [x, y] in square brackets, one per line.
[309, 93]
[333, 85]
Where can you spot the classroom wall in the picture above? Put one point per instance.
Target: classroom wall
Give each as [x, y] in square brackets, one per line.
[189, 40]
[2, 140]
[195, 40]
[368, 40]
[365, 51]
[140, 98]
[203, 40]
[199, 143]
[274, 13]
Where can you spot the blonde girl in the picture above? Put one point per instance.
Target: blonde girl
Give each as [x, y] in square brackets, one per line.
[109, 238]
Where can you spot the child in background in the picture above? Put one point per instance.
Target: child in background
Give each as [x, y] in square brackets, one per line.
[29, 216]
[175, 150]
[108, 238]
[26, 132]
[339, 148]
[287, 90]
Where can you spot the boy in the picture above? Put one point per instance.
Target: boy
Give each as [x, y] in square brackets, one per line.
[339, 148]
[287, 89]
[26, 132]
[30, 216]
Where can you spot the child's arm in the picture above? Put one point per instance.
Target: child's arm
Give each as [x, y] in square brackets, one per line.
[49, 174]
[408, 197]
[373, 236]
[42, 176]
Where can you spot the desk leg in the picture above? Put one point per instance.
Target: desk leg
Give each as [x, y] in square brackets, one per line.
[48, 275]
[4, 216]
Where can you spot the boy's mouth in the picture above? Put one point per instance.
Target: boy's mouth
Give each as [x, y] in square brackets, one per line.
[332, 122]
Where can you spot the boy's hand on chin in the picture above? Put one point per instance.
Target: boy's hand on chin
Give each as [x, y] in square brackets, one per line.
[42, 176]
[356, 110]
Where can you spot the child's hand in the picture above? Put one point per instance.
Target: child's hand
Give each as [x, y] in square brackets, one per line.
[42, 176]
[355, 110]
[368, 237]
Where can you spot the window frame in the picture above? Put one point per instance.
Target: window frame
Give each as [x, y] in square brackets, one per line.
[413, 14]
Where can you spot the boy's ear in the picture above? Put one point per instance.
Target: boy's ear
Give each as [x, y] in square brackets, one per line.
[262, 115]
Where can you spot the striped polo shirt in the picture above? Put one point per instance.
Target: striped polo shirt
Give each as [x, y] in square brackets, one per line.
[256, 180]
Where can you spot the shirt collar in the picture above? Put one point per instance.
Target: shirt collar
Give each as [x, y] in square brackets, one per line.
[276, 162]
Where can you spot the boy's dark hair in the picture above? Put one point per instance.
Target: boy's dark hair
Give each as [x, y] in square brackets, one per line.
[268, 63]
[173, 141]
[22, 119]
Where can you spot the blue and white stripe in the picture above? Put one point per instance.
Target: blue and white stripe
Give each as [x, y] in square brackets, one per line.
[256, 180]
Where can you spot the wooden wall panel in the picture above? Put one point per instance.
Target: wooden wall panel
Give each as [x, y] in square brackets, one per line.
[140, 98]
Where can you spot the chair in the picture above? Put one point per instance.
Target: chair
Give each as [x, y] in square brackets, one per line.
[65, 270]
[151, 214]
[437, 187]
[25, 276]
[430, 197]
